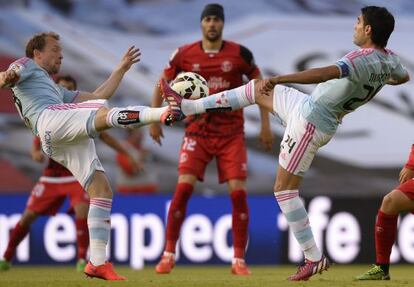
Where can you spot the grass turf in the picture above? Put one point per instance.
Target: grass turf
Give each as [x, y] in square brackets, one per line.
[197, 276]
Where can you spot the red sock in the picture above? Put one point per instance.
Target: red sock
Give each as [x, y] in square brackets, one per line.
[240, 225]
[18, 233]
[82, 237]
[385, 232]
[176, 214]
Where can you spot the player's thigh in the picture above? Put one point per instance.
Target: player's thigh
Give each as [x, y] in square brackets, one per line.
[80, 158]
[231, 158]
[45, 199]
[194, 156]
[286, 102]
[61, 127]
[300, 143]
[400, 199]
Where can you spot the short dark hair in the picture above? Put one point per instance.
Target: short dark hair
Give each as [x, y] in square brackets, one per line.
[38, 42]
[213, 9]
[382, 24]
[67, 78]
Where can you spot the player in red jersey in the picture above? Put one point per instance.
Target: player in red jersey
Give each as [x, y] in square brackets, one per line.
[50, 192]
[401, 199]
[221, 135]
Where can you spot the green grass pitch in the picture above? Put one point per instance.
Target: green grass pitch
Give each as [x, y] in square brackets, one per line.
[198, 276]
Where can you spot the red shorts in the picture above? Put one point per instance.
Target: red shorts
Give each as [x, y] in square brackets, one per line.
[46, 198]
[408, 188]
[230, 152]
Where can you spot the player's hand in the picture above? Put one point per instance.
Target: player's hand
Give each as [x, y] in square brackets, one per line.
[156, 133]
[132, 56]
[8, 78]
[406, 174]
[265, 86]
[37, 155]
[266, 139]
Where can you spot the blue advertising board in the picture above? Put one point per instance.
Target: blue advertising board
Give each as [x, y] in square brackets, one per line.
[138, 231]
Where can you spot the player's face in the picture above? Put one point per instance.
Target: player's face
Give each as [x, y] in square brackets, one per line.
[212, 28]
[50, 58]
[67, 84]
[360, 32]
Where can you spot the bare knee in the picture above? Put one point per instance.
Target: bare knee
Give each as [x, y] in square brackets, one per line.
[236, 184]
[389, 203]
[99, 186]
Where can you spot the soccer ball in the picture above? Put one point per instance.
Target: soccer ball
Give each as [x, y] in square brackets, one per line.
[190, 85]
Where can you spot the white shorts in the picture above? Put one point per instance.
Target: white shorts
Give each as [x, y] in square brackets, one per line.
[65, 131]
[301, 139]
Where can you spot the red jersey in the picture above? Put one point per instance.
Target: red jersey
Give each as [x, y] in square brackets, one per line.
[53, 169]
[223, 70]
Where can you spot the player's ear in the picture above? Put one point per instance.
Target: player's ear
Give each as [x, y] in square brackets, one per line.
[36, 53]
[368, 30]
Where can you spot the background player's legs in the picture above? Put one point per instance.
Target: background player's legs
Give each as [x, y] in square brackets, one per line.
[176, 215]
[82, 234]
[178, 208]
[18, 233]
[393, 203]
[132, 116]
[240, 224]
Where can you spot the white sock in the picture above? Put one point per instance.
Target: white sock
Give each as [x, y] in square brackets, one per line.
[99, 226]
[230, 100]
[298, 220]
[134, 116]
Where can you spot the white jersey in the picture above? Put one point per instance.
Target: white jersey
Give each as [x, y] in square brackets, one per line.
[363, 73]
[35, 91]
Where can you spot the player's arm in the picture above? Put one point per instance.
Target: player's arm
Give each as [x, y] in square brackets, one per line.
[311, 76]
[108, 88]
[266, 135]
[155, 129]
[395, 80]
[8, 78]
[36, 151]
[120, 148]
[407, 172]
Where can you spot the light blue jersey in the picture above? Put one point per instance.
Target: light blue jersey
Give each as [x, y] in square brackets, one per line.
[363, 73]
[35, 91]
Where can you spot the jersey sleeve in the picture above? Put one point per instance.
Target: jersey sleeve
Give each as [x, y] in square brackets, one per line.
[251, 70]
[23, 67]
[174, 65]
[399, 72]
[68, 96]
[347, 66]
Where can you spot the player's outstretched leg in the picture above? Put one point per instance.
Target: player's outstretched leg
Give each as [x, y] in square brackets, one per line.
[310, 268]
[137, 116]
[230, 100]
[175, 219]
